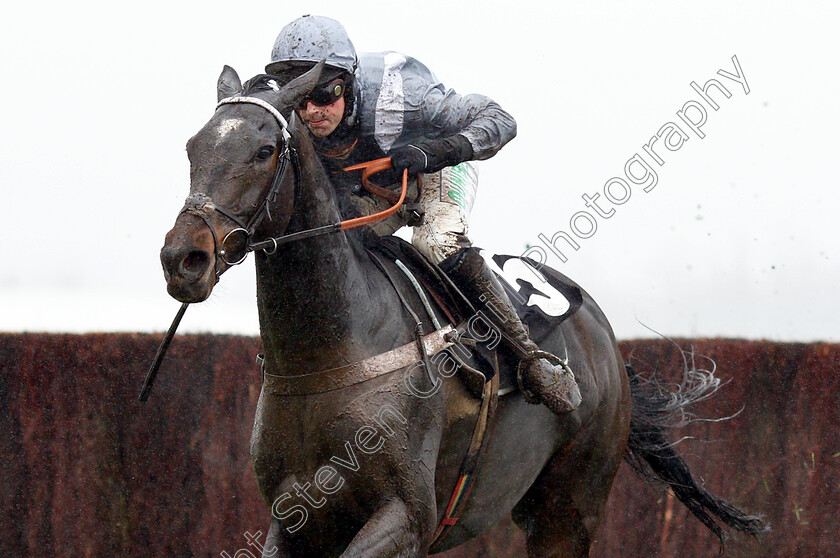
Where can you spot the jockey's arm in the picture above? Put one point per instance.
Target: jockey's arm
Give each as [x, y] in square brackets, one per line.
[455, 128]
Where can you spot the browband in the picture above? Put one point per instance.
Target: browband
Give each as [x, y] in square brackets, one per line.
[264, 104]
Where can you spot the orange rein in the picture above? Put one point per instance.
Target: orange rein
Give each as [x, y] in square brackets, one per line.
[368, 169]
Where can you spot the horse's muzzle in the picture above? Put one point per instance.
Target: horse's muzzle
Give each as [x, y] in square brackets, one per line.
[188, 265]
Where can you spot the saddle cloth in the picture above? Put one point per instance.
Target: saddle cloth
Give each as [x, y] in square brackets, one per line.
[542, 297]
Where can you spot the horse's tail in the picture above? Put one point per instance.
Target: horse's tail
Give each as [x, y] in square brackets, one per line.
[656, 411]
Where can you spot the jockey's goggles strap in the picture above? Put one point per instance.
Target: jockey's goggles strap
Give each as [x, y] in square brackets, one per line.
[284, 126]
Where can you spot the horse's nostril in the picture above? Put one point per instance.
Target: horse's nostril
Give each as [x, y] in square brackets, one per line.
[195, 264]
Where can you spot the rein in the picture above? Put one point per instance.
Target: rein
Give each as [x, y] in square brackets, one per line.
[202, 205]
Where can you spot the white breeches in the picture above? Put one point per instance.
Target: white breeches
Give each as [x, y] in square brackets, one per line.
[447, 198]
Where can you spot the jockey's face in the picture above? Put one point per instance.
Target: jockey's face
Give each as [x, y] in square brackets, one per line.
[322, 120]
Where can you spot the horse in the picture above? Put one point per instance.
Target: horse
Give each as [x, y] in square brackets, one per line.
[356, 468]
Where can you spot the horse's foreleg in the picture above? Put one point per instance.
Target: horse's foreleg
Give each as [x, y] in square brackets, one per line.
[275, 543]
[390, 533]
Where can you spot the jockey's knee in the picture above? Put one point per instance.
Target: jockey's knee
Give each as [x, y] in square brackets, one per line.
[446, 197]
[437, 245]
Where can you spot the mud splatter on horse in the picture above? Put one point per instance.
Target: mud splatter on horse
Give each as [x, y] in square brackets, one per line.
[360, 465]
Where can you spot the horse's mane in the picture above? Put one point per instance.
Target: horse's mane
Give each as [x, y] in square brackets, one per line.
[269, 82]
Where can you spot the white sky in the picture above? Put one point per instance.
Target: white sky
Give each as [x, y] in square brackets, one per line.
[738, 238]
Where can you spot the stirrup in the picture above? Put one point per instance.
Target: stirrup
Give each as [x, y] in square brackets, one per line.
[531, 397]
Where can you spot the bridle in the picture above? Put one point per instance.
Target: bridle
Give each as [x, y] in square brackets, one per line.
[202, 205]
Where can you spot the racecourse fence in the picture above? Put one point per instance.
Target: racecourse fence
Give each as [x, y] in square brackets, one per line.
[86, 470]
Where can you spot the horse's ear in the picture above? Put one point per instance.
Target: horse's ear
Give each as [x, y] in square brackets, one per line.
[294, 91]
[229, 84]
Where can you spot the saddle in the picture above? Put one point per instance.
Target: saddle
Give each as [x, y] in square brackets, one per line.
[484, 365]
[542, 308]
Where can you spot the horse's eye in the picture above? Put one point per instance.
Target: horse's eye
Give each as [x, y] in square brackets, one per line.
[264, 152]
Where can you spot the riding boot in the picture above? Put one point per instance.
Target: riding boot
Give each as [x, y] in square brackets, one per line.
[541, 381]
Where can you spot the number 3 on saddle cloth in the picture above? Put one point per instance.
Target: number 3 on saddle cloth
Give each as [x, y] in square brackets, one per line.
[543, 298]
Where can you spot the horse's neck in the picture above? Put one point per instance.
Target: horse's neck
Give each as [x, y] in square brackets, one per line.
[322, 302]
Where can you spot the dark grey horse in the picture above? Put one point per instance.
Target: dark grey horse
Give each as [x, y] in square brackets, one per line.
[366, 468]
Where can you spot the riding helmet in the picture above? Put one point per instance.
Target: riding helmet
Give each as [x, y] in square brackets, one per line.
[310, 39]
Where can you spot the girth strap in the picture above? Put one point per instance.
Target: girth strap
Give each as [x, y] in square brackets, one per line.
[358, 372]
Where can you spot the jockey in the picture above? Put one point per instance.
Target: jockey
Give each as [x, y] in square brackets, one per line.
[387, 104]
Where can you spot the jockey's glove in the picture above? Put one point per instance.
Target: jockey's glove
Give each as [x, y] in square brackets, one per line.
[427, 156]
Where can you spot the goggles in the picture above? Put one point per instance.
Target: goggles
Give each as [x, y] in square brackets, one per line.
[324, 95]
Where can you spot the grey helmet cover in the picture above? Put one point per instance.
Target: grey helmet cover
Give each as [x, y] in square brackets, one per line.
[310, 39]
